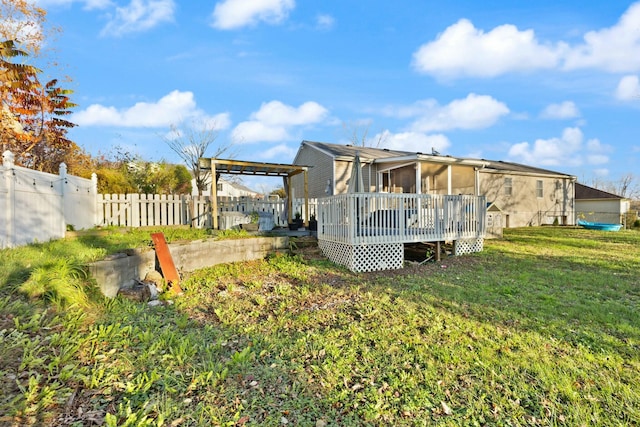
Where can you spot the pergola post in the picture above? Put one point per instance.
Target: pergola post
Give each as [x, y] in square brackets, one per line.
[214, 197]
[306, 198]
[289, 202]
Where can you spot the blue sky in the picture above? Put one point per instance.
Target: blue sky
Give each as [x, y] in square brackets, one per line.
[553, 84]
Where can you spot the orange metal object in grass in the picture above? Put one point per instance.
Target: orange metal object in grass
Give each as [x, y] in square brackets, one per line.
[167, 266]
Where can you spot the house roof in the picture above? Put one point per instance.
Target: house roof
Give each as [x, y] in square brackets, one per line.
[383, 155]
[584, 192]
[239, 186]
[348, 152]
[501, 166]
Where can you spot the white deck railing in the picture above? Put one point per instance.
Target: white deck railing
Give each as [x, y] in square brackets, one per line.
[400, 218]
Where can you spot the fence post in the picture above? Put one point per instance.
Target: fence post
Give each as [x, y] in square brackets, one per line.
[7, 162]
[134, 216]
[62, 172]
[183, 209]
[94, 194]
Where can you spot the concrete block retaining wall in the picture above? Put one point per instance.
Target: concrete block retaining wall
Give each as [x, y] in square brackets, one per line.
[122, 270]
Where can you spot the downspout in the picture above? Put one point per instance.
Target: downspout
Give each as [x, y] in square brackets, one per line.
[572, 205]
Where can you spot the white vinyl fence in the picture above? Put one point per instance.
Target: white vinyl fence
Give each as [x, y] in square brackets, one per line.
[37, 206]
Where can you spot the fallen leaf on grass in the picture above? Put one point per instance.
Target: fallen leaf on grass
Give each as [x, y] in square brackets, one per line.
[447, 410]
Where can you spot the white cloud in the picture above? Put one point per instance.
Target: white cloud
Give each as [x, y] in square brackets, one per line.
[274, 119]
[219, 121]
[139, 15]
[594, 145]
[463, 50]
[564, 110]
[26, 31]
[97, 4]
[277, 113]
[174, 107]
[249, 132]
[231, 14]
[413, 141]
[597, 159]
[613, 49]
[279, 152]
[325, 22]
[472, 112]
[566, 150]
[628, 88]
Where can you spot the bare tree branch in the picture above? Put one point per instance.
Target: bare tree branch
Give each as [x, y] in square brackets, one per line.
[192, 143]
[627, 186]
[360, 137]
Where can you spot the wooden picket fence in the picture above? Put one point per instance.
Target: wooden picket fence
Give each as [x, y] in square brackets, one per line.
[142, 210]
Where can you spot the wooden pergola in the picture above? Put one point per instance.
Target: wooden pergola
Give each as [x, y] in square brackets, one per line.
[239, 167]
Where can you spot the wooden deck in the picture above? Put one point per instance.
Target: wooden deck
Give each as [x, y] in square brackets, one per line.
[376, 226]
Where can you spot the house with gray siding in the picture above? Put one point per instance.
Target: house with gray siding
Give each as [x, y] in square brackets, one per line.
[523, 195]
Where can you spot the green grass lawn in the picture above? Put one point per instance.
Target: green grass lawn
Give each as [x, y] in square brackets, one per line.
[541, 328]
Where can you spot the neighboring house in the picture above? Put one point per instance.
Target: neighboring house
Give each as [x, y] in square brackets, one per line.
[227, 188]
[599, 206]
[523, 195]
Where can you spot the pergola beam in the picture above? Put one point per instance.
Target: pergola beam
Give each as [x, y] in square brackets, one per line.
[239, 167]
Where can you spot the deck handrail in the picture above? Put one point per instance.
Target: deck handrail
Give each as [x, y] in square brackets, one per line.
[363, 218]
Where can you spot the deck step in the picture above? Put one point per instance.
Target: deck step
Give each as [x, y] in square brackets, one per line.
[304, 242]
[307, 247]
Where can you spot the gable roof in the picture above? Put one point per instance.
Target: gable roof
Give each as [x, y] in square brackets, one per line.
[239, 186]
[384, 155]
[348, 152]
[584, 192]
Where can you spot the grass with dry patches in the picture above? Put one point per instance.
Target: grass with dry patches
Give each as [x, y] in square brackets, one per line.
[541, 328]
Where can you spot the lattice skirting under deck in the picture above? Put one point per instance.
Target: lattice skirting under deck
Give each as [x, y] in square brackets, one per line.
[467, 246]
[361, 258]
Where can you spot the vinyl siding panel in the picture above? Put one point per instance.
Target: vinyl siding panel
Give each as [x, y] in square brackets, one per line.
[319, 173]
[523, 207]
